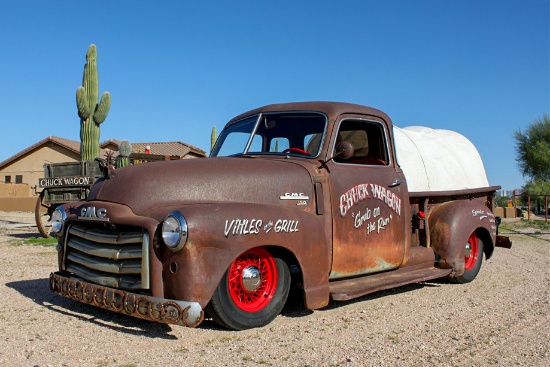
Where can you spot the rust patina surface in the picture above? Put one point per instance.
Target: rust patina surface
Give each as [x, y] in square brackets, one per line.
[343, 225]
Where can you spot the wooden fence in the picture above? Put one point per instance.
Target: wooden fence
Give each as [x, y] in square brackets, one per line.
[529, 205]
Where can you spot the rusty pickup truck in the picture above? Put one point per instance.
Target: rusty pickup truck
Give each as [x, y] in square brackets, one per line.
[313, 198]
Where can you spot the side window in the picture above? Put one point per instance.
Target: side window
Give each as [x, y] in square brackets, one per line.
[368, 141]
[7, 179]
[18, 179]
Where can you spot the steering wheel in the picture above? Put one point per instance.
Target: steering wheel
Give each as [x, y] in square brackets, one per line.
[295, 150]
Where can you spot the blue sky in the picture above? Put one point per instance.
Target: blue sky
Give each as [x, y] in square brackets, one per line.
[176, 68]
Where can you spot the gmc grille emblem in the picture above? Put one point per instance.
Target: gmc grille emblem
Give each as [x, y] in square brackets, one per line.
[90, 213]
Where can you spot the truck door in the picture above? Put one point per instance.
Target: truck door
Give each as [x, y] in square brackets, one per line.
[369, 201]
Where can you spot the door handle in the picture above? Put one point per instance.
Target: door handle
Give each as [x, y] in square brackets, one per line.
[396, 183]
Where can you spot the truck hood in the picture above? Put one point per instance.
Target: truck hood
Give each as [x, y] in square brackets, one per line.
[205, 180]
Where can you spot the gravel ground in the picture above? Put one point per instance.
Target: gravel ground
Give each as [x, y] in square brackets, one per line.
[500, 319]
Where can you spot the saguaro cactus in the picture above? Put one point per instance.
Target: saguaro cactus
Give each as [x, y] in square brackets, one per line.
[213, 137]
[124, 151]
[91, 113]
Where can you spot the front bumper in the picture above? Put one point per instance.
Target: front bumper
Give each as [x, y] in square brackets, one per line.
[136, 305]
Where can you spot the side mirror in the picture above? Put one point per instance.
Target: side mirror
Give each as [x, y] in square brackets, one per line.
[344, 150]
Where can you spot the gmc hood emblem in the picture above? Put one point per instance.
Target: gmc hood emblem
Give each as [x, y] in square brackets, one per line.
[90, 213]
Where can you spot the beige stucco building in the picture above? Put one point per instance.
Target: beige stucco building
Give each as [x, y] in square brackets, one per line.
[19, 174]
[27, 166]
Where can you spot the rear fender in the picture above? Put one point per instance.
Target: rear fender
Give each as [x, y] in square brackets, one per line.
[452, 223]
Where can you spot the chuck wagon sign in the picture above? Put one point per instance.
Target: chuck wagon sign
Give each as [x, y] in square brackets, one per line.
[65, 181]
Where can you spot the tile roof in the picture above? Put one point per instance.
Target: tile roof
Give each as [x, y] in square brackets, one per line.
[163, 148]
[72, 145]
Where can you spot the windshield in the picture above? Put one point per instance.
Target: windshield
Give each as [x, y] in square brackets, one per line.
[292, 133]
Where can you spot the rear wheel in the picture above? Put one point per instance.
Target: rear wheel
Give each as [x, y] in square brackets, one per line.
[252, 291]
[473, 257]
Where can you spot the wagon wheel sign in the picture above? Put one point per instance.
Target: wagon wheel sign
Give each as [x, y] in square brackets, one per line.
[43, 218]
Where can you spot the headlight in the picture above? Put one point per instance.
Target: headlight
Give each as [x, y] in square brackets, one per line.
[174, 231]
[58, 218]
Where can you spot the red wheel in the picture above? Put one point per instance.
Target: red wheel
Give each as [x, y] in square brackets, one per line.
[295, 150]
[473, 257]
[471, 252]
[252, 291]
[252, 280]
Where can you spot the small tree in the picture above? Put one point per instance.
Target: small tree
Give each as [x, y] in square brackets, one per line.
[533, 149]
[501, 200]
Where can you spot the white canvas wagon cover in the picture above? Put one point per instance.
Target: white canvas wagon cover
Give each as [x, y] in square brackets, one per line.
[438, 160]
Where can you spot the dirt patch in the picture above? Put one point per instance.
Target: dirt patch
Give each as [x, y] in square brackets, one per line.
[500, 319]
[16, 225]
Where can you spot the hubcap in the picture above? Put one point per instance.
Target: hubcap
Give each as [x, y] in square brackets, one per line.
[468, 250]
[251, 278]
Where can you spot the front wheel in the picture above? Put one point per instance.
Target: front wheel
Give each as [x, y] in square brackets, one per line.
[252, 291]
[473, 257]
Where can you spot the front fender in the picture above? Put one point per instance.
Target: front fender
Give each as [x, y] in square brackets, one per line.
[219, 232]
[452, 223]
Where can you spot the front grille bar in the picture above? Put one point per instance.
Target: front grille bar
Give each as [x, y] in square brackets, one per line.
[112, 281]
[107, 257]
[106, 265]
[110, 252]
[105, 236]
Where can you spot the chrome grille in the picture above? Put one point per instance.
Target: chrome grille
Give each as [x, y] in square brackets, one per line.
[112, 258]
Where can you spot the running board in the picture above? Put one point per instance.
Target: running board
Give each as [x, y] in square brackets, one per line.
[343, 290]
